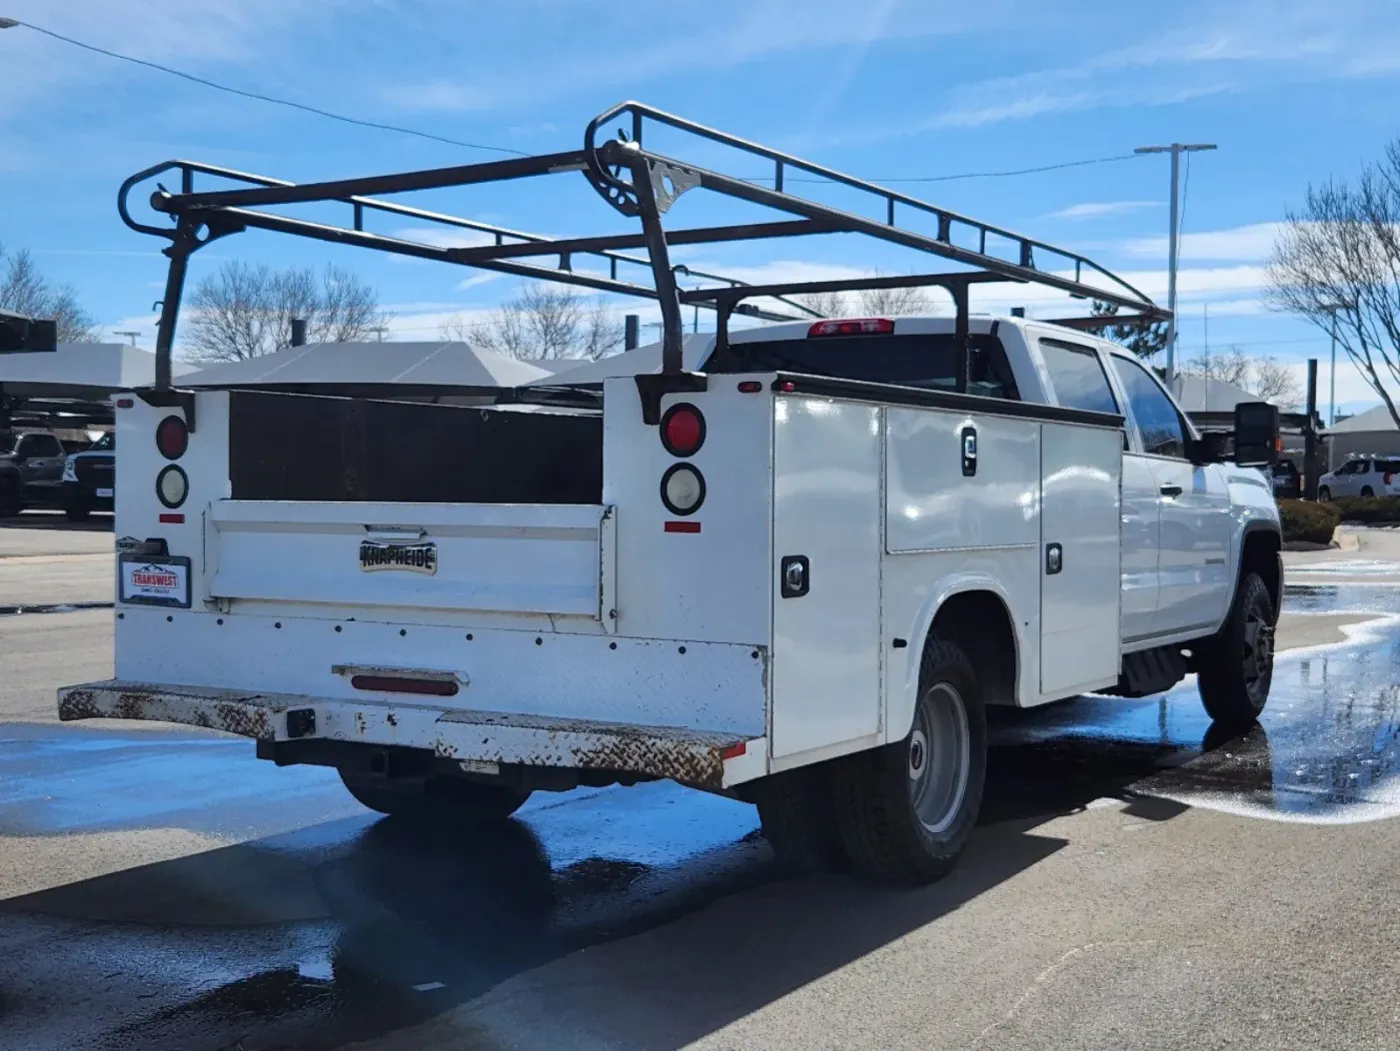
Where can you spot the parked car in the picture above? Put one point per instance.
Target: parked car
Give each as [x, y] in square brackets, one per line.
[1288, 483]
[38, 459]
[1361, 476]
[88, 479]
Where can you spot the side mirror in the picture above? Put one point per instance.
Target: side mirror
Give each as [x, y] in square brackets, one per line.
[1257, 440]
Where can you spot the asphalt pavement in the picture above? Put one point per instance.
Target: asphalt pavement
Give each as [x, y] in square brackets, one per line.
[1138, 880]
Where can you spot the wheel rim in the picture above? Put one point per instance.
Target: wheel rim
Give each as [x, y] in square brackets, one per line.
[940, 748]
[1258, 652]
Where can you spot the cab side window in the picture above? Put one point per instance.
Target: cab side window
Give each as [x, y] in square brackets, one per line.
[1158, 422]
[1078, 378]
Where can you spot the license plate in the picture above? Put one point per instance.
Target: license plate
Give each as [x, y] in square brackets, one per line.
[413, 558]
[104, 494]
[153, 580]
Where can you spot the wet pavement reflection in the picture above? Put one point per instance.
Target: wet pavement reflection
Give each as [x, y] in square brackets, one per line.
[309, 922]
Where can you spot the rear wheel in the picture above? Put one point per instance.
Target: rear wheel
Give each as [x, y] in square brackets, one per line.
[1324, 494]
[798, 821]
[1235, 668]
[905, 811]
[1367, 491]
[434, 798]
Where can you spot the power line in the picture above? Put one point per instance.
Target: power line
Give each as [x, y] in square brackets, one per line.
[991, 175]
[265, 98]
[317, 111]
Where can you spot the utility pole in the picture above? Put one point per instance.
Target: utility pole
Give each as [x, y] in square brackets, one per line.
[1332, 309]
[1176, 149]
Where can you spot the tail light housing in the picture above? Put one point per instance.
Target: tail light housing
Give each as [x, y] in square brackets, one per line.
[172, 437]
[683, 429]
[172, 486]
[682, 489]
[860, 326]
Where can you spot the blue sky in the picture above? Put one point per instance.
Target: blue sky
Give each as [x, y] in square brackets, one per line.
[1293, 92]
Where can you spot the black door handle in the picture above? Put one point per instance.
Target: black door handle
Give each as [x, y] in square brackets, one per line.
[1171, 490]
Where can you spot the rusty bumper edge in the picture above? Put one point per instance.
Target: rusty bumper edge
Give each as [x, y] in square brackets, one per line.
[235, 715]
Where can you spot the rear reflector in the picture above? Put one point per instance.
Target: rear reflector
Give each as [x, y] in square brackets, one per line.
[733, 751]
[682, 527]
[787, 386]
[394, 684]
[860, 326]
[173, 518]
[125, 403]
[750, 387]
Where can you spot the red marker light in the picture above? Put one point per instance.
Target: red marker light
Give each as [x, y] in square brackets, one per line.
[860, 326]
[682, 527]
[683, 430]
[733, 751]
[172, 437]
[125, 403]
[750, 387]
[173, 518]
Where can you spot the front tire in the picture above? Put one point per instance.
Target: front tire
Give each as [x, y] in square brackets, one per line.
[905, 811]
[1235, 668]
[434, 799]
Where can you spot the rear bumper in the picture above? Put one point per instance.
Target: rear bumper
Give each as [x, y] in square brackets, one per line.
[705, 759]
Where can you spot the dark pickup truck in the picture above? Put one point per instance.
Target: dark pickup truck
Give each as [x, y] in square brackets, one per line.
[88, 479]
[37, 458]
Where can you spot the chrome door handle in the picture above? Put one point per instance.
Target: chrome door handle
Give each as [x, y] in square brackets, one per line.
[1171, 490]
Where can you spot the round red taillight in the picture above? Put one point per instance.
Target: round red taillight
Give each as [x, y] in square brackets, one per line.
[683, 430]
[172, 437]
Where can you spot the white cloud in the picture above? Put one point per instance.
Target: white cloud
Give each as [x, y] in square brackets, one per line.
[444, 237]
[1099, 209]
[1251, 243]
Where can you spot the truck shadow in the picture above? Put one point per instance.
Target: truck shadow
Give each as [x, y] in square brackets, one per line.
[382, 924]
[56, 521]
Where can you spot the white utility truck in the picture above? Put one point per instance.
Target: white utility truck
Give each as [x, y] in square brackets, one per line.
[791, 563]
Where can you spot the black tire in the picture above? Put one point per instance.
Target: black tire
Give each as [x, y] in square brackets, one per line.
[877, 794]
[11, 503]
[78, 513]
[435, 799]
[798, 821]
[1234, 669]
[1367, 492]
[1324, 494]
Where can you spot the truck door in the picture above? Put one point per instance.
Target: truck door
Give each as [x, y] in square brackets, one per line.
[1193, 570]
[1077, 375]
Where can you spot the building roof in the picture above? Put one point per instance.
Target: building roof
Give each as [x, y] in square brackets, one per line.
[1370, 421]
[637, 362]
[1204, 394]
[80, 370]
[329, 365]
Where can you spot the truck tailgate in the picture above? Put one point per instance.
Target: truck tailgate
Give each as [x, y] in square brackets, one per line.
[510, 558]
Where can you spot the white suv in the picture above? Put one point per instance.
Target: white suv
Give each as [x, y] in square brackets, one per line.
[1361, 476]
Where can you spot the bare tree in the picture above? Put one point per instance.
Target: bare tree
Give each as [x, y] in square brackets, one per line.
[1337, 261]
[1266, 378]
[894, 302]
[24, 290]
[827, 304]
[245, 311]
[544, 323]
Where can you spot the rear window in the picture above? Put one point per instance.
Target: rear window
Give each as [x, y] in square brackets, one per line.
[924, 360]
[1078, 377]
[1388, 466]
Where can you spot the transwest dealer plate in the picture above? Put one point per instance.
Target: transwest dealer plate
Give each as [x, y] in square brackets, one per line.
[414, 558]
[153, 580]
